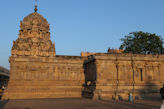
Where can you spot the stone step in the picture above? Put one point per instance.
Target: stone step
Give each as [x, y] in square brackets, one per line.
[29, 95]
[45, 90]
[56, 83]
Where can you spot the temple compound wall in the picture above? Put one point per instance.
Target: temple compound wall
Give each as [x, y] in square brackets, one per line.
[117, 75]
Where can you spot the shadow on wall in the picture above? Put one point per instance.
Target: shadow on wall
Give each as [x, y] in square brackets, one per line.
[90, 72]
[150, 91]
[3, 103]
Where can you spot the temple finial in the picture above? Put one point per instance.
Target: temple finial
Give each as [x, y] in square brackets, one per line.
[36, 7]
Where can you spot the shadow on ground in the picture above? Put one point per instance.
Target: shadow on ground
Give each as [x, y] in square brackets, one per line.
[80, 103]
[3, 103]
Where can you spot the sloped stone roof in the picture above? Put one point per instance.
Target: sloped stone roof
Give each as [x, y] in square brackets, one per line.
[4, 71]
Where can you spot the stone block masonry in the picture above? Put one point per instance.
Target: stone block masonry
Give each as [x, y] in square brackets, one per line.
[117, 75]
[41, 77]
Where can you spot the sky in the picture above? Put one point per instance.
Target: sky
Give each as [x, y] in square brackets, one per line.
[82, 25]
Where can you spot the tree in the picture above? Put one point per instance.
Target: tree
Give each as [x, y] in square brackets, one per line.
[142, 43]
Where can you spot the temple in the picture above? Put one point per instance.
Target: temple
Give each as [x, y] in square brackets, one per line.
[37, 72]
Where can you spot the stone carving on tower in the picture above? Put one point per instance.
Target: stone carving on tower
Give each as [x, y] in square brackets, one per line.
[34, 37]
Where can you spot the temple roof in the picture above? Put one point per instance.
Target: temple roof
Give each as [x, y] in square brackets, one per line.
[35, 20]
[4, 71]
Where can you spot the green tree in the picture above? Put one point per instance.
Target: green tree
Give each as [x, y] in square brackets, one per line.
[142, 43]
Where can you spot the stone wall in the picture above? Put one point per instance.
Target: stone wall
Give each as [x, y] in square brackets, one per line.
[86, 54]
[45, 77]
[121, 74]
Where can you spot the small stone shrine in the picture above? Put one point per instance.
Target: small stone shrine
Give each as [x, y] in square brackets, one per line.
[35, 70]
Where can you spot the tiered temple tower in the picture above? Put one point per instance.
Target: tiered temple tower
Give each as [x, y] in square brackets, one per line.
[34, 37]
[35, 70]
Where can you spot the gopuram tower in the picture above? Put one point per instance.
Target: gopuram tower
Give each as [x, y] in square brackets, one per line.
[35, 70]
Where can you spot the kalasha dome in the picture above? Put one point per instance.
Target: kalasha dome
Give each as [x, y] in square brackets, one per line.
[35, 21]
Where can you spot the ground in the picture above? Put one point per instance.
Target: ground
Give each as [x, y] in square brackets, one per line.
[77, 104]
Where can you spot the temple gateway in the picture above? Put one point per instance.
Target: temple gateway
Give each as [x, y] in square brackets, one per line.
[37, 72]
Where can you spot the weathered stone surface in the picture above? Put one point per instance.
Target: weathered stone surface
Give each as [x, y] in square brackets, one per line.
[117, 75]
[34, 38]
[41, 77]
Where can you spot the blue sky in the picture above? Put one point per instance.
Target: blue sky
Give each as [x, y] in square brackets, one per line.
[82, 25]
